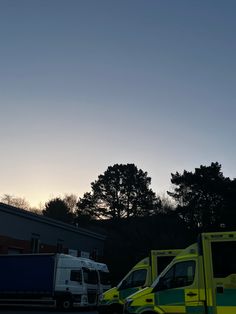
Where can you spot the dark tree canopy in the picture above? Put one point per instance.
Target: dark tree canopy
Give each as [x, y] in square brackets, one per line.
[122, 191]
[203, 196]
[87, 208]
[59, 210]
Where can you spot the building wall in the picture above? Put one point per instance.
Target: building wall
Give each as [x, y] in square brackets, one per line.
[27, 232]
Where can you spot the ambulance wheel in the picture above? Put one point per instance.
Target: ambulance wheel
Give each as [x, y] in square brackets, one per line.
[115, 312]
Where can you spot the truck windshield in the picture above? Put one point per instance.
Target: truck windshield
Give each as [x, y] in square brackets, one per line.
[104, 278]
[90, 276]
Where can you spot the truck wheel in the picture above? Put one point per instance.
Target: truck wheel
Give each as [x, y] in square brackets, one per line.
[65, 304]
[116, 309]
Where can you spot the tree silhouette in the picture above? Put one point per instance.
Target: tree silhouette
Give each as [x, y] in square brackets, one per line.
[228, 212]
[71, 202]
[59, 210]
[201, 196]
[122, 191]
[12, 200]
[87, 208]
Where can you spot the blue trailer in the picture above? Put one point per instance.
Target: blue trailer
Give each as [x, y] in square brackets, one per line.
[55, 280]
[27, 275]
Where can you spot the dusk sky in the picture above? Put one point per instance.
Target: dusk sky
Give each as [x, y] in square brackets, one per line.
[85, 84]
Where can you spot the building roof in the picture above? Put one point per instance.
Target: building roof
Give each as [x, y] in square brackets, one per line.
[49, 221]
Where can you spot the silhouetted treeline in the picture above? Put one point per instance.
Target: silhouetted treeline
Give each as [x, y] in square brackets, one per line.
[205, 198]
[130, 240]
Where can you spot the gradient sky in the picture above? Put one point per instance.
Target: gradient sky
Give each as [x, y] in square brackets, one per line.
[85, 84]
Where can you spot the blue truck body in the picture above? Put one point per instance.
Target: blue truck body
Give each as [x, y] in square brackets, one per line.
[31, 275]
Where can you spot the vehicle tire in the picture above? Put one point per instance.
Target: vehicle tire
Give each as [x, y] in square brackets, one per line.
[64, 304]
[116, 309]
[115, 312]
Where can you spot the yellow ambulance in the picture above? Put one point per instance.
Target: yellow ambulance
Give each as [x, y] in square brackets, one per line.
[199, 280]
[140, 276]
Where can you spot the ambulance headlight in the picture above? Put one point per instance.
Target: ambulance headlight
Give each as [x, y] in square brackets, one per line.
[100, 297]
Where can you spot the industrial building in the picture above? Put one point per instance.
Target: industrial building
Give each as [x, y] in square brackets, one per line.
[22, 231]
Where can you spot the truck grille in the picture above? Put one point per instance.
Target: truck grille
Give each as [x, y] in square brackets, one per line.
[92, 297]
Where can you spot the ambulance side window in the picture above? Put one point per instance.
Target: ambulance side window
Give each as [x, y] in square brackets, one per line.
[226, 265]
[179, 275]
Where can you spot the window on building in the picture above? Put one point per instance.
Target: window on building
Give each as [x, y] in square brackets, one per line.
[35, 243]
[13, 250]
[60, 246]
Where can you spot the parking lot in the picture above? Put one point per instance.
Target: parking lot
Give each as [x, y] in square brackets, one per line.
[38, 311]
